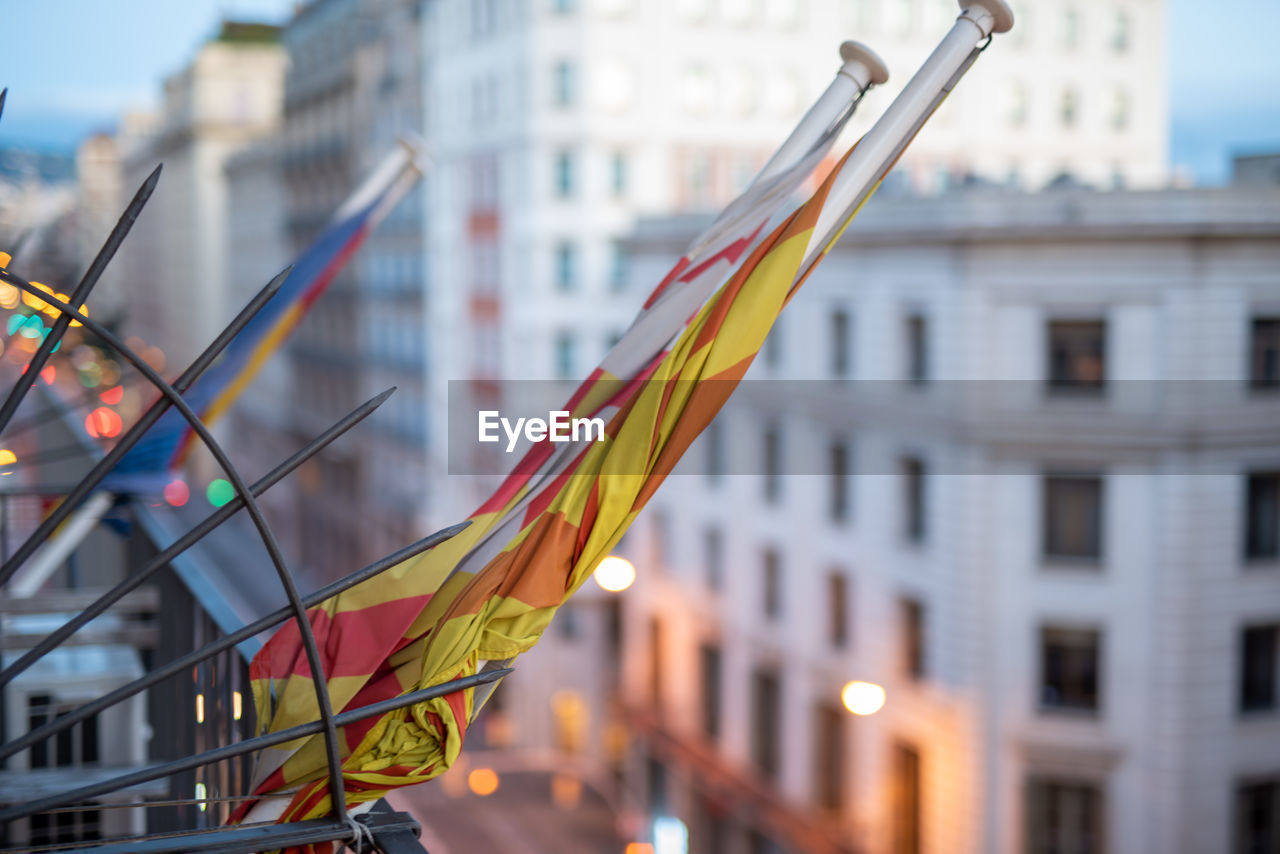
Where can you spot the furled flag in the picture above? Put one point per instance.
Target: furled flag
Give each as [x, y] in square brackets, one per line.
[489, 593]
[150, 463]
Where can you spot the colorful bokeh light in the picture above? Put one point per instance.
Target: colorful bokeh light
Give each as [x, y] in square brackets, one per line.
[112, 396]
[176, 492]
[219, 492]
[103, 423]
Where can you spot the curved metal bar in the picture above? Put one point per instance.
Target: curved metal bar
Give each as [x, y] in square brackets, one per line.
[153, 413]
[190, 538]
[177, 665]
[268, 540]
[118, 233]
[249, 745]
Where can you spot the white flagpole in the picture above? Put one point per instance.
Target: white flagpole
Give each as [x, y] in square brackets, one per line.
[879, 148]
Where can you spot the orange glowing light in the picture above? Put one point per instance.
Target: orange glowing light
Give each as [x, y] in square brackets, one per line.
[7, 458]
[614, 573]
[863, 698]
[34, 301]
[176, 492]
[483, 781]
[639, 848]
[103, 423]
[112, 396]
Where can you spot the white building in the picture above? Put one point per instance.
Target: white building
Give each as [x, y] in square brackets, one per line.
[175, 260]
[1022, 471]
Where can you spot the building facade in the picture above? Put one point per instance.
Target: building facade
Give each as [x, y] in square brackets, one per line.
[1014, 459]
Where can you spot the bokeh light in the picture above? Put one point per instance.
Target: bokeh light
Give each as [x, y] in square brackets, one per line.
[112, 396]
[614, 573]
[49, 373]
[154, 357]
[103, 423]
[9, 296]
[862, 698]
[219, 492]
[483, 781]
[7, 459]
[176, 492]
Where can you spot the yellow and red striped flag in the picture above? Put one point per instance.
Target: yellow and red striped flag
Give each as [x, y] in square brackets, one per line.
[489, 593]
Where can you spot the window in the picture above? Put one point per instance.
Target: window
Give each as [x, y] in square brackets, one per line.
[566, 621]
[839, 343]
[1258, 663]
[917, 360]
[1070, 29]
[1262, 515]
[1257, 819]
[906, 799]
[655, 662]
[1121, 31]
[838, 609]
[714, 445]
[838, 468]
[74, 746]
[911, 614]
[828, 756]
[1069, 108]
[1077, 356]
[618, 173]
[773, 345]
[765, 709]
[1069, 668]
[563, 84]
[772, 464]
[913, 499]
[771, 569]
[709, 657]
[618, 268]
[1063, 815]
[564, 356]
[1264, 353]
[713, 557]
[1072, 505]
[659, 536]
[1119, 110]
[564, 174]
[566, 266]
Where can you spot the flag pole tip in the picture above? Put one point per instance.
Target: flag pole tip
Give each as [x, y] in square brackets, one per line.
[857, 52]
[1000, 12]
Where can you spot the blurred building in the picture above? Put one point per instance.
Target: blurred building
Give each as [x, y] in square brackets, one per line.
[175, 258]
[1015, 459]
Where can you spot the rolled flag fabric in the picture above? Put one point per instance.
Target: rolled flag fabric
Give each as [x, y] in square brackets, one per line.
[489, 593]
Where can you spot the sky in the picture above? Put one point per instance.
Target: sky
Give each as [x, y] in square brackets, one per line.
[73, 65]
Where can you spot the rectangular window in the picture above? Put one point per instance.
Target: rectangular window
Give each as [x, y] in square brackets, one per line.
[1063, 815]
[618, 173]
[771, 569]
[566, 266]
[564, 177]
[564, 356]
[1258, 662]
[917, 356]
[906, 799]
[1077, 356]
[1257, 818]
[911, 613]
[838, 609]
[765, 710]
[828, 756]
[913, 499]
[772, 464]
[563, 84]
[659, 537]
[710, 671]
[713, 444]
[838, 468]
[773, 345]
[1069, 668]
[1072, 516]
[1262, 515]
[1264, 353]
[840, 343]
[713, 557]
[618, 268]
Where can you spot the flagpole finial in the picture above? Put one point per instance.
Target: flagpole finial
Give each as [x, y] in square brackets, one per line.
[998, 10]
[856, 52]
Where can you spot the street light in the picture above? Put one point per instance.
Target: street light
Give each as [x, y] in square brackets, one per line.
[614, 573]
[862, 698]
